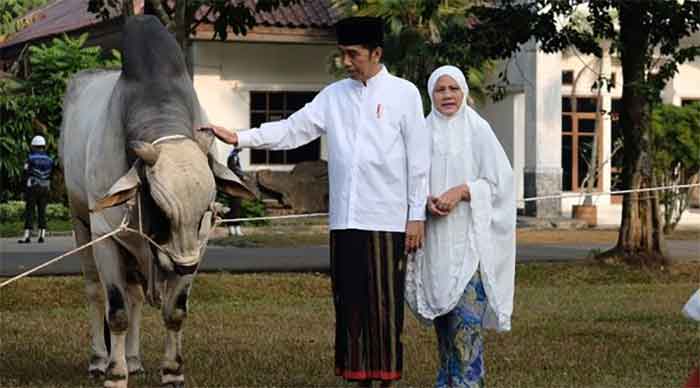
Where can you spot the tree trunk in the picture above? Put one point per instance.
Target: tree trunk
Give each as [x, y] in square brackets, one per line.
[182, 32]
[640, 239]
[179, 25]
[127, 8]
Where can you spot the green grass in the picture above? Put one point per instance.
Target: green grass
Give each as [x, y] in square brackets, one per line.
[575, 325]
[277, 236]
[16, 228]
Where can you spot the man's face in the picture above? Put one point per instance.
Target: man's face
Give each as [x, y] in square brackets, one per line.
[359, 62]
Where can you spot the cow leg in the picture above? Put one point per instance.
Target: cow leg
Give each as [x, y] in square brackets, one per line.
[174, 313]
[99, 355]
[133, 335]
[110, 265]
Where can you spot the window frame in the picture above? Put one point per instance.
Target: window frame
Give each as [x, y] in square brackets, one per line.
[575, 135]
[284, 112]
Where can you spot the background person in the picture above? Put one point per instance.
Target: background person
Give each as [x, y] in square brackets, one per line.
[37, 177]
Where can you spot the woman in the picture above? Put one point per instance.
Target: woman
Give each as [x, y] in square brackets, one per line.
[463, 280]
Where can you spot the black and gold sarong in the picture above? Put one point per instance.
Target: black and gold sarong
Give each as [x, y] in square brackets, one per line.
[368, 271]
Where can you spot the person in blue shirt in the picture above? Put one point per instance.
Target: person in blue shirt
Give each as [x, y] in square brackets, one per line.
[37, 177]
[234, 164]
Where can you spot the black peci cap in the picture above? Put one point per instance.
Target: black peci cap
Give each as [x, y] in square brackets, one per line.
[360, 30]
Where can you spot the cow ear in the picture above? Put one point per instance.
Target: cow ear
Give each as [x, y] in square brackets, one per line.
[145, 151]
[230, 183]
[124, 189]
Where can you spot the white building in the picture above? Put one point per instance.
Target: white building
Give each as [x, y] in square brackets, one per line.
[546, 121]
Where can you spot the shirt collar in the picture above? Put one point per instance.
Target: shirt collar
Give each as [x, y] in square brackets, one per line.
[375, 78]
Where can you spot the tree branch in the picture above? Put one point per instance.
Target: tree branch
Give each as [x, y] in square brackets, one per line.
[201, 20]
[160, 12]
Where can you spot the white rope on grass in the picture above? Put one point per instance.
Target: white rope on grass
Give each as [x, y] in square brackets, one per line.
[290, 216]
[121, 228]
[124, 225]
[599, 193]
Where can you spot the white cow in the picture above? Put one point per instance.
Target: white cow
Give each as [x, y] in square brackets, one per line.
[128, 149]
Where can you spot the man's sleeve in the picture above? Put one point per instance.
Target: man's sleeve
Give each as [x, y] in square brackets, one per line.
[418, 143]
[303, 126]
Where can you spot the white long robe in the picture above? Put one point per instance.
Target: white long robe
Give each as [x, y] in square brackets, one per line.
[476, 235]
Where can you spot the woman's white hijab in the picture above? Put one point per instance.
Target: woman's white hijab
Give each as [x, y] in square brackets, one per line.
[476, 235]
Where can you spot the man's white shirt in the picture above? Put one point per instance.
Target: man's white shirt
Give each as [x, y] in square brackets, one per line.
[378, 150]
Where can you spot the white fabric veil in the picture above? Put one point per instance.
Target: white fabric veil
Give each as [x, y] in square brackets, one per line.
[476, 235]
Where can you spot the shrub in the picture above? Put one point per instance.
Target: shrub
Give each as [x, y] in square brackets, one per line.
[32, 105]
[14, 210]
[253, 208]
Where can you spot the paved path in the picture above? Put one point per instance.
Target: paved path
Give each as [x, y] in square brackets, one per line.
[15, 258]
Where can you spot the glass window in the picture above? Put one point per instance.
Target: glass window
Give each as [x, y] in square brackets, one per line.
[566, 104]
[566, 123]
[567, 77]
[274, 106]
[566, 152]
[586, 125]
[585, 148]
[585, 104]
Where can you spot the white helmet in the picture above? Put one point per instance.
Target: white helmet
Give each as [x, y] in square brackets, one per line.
[38, 141]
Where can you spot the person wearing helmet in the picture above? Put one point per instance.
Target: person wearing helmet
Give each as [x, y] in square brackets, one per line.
[234, 164]
[37, 175]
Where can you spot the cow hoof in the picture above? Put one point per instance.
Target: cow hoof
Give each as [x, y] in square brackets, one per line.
[98, 367]
[114, 382]
[173, 385]
[96, 374]
[116, 377]
[172, 381]
[134, 365]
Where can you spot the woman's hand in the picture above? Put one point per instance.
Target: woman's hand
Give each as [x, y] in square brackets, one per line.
[221, 133]
[433, 209]
[449, 199]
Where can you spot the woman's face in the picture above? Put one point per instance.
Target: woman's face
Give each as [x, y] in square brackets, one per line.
[447, 95]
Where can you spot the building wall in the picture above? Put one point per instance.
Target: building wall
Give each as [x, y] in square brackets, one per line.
[684, 85]
[507, 118]
[225, 73]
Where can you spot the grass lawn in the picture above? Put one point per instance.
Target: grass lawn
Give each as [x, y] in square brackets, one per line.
[288, 235]
[575, 325]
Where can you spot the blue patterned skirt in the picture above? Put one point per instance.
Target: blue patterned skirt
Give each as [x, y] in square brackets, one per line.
[460, 340]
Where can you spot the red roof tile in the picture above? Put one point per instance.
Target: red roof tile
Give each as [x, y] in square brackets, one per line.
[69, 15]
[54, 18]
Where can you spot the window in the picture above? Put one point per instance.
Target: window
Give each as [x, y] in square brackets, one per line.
[616, 161]
[273, 106]
[613, 80]
[578, 127]
[567, 77]
[688, 101]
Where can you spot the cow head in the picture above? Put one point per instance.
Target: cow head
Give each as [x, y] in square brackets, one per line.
[182, 181]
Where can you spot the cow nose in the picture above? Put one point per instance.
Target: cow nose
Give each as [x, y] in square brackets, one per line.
[189, 260]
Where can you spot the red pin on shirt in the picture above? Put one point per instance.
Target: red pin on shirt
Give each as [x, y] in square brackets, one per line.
[379, 111]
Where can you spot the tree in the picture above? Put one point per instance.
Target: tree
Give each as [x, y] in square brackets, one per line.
[33, 105]
[424, 34]
[675, 162]
[181, 16]
[648, 41]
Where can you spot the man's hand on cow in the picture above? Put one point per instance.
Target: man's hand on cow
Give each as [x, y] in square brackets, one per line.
[223, 134]
[415, 231]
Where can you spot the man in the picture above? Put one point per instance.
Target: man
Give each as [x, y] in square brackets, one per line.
[37, 175]
[378, 162]
[234, 164]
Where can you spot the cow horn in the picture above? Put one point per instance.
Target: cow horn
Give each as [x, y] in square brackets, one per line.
[145, 151]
